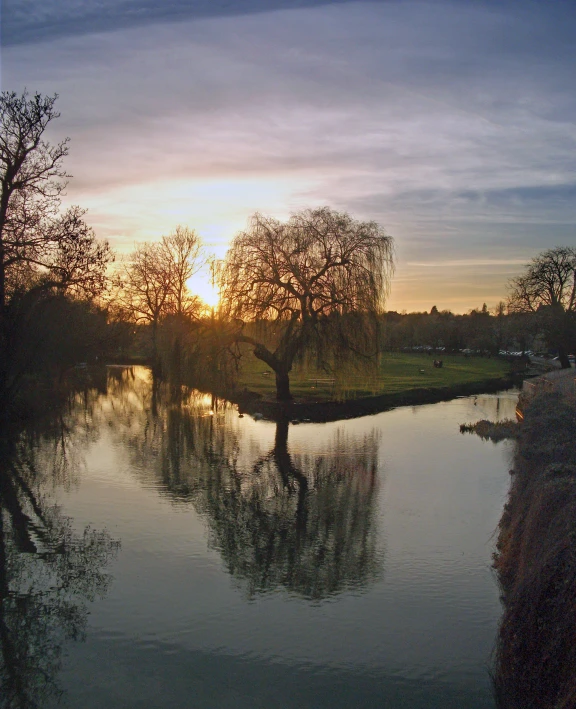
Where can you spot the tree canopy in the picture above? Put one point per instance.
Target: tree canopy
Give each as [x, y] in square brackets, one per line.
[40, 247]
[44, 252]
[320, 279]
[153, 282]
[548, 288]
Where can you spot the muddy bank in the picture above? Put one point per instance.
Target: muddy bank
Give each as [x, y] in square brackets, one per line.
[494, 431]
[535, 657]
[322, 411]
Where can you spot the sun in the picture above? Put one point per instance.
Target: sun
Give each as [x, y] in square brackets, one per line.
[201, 285]
[210, 296]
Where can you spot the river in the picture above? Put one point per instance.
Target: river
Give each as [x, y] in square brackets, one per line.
[160, 550]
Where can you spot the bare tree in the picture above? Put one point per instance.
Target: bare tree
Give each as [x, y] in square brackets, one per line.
[39, 247]
[143, 288]
[548, 288]
[183, 257]
[30, 174]
[43, 252]
[319, 280]
[153, 282]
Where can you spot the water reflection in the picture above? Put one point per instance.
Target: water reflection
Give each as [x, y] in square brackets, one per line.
[303, 522]
[48, 572]
[295, 516]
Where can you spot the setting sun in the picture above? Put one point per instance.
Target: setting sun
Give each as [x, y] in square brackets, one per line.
[201, 285]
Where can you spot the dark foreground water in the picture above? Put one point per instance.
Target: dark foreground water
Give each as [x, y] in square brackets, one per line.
[199, 559]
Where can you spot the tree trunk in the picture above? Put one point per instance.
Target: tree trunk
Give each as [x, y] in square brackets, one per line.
[283, 386]
[2, 283]
[155, 358]
[176, 363]
[563, 357]
[281, 369]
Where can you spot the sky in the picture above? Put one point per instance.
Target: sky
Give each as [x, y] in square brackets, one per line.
[452, 124]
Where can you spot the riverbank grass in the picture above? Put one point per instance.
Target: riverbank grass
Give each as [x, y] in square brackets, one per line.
[397, 373]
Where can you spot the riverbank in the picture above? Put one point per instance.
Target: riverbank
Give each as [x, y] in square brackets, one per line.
[400, 380]
[324, 411]
[396, 372]
[404, 380]
[536, 562]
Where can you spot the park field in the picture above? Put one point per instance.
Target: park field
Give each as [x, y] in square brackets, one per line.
[397, 373]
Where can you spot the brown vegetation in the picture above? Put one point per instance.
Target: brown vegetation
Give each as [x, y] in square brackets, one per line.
[492, 430]
[536, 564]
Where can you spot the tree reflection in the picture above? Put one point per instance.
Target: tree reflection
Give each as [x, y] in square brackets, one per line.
[305, 523]
[48, 572]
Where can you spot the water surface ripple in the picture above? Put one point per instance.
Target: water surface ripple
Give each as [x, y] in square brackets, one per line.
[332, 565]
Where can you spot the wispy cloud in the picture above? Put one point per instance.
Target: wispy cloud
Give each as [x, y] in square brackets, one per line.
[453, 124]
[37, 20]
[467, 263]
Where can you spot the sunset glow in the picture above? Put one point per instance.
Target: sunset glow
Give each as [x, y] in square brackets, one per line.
[201, 285]
[454, 146]
[287, 322]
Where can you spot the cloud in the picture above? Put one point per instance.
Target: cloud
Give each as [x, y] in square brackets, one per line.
[453, 124]
[468, 263]
[40, 20]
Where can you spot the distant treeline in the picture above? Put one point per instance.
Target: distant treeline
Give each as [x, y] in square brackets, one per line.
[481, 331]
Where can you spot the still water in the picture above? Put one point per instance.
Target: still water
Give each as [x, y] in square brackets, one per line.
[161, 551]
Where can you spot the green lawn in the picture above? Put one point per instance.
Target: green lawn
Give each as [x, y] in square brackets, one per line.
[398, 372]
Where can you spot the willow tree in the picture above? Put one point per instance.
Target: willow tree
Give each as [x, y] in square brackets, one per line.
[548, 288]
[316, 283]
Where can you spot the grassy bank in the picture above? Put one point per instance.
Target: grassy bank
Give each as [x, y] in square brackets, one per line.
[401, 380]
[397, 373]
[536, 563]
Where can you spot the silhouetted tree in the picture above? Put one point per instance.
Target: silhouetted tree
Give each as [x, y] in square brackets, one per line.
[318, 281]
[43, 252]
[153, 282]
[64, 333]
[500, 320]
[39, 247]
[548, 288]
[144, 289]
[478, 329]
[184, 257]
